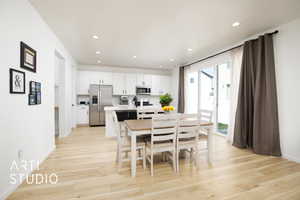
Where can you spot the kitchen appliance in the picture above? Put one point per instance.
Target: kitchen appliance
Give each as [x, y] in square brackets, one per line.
[139, 101]
[124, 100]
[100, 96]
[143, 91]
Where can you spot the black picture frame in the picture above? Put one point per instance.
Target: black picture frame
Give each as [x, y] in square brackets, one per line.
[31, 99]
[17, 79]
[28, 57]
[32, 87]
[38, 98]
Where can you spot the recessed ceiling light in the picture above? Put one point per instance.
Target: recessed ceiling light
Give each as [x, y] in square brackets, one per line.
[98, 52]
[98, 61]
[235, 24]
[134, 56]
[172, 60]
[189, 49]
[95, 37]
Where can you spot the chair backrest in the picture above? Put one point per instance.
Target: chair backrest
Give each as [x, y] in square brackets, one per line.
[188, 126]
[116, 123]
[164, 128]
[205, 116]
[147, 112]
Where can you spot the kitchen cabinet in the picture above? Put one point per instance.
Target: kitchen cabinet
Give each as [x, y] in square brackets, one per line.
[85, 78]
[144, 80]
[160, 85]
[118, 84]
[82, 114]
[124, 84]
[130, 84]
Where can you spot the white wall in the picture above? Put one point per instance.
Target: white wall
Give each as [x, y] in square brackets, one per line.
[287, 51]
[23, 127]
[124, 69]
[287, 58]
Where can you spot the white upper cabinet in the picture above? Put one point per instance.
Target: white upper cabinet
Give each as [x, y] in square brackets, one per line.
[144, 80]
[160, 85]
[85, 78]
[119, 83]
[124, 84]
[130, 84]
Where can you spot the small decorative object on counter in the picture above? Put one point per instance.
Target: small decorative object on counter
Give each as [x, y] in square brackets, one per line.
[165, 100]
[168, 108]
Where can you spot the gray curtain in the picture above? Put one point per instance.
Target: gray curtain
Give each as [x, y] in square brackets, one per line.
[256, 123]
[181, 91]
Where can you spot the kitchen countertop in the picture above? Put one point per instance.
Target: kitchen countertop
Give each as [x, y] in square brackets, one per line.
[123, 107]
[119, 107]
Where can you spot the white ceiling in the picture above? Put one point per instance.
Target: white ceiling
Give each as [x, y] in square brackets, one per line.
[156, 31]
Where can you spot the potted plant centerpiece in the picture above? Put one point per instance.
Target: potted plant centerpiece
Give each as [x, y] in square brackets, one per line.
[165, 101]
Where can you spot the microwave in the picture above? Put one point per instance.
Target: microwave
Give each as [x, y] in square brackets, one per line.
[143, 91]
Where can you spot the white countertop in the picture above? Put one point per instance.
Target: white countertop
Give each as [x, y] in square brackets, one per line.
[122, 107]
[119, 107]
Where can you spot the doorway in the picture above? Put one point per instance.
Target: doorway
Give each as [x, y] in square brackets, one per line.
[214, 94]
[59, 95]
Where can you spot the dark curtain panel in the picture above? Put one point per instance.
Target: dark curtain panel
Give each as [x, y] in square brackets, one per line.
[181, 91]
[256, 122]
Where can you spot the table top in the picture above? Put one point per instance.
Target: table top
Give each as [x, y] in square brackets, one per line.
[146, 124]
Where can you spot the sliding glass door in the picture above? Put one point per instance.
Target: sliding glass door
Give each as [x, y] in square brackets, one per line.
[214, 93]
[223, 97]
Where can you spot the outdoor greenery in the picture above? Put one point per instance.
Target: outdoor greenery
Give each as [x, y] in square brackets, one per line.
[222, 128]
[165, 99]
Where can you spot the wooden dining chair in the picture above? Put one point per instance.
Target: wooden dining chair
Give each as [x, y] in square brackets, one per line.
[146, 112]
[187, 137]
[205, 116]
[163, 138]
[124, 145]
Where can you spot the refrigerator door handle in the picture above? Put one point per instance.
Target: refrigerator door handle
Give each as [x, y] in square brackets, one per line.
[99, 95]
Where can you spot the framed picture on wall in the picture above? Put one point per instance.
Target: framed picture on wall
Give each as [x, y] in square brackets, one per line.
[31, 99]
[38, 98]
[16, 81]
[32, 87]
[28, 57]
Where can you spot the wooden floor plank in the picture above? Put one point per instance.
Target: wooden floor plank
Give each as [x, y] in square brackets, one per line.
[85, 165]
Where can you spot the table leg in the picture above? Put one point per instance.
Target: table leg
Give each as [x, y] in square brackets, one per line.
[133, 155]
[210, 145]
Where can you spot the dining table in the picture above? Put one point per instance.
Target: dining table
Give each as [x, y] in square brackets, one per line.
[143, 127]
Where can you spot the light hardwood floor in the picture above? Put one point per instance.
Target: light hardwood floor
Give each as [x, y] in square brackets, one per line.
[85, 165]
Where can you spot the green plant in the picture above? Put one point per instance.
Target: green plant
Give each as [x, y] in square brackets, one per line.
[165, 99]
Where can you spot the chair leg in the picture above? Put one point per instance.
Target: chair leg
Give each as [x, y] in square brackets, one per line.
[177, 160]
[144, 157]
[152, 171]
[174, 160]
[117, 156]
[191, 154]
[120, 159]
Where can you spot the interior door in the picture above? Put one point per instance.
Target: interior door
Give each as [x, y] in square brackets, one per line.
[94, 105]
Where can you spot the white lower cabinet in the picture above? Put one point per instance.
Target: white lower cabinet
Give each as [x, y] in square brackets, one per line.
[82, 114]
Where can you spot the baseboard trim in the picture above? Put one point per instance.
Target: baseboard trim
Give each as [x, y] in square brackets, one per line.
[12, 188]
[291, 158]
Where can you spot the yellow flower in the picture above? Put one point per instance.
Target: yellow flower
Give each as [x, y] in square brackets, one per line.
[168, 108]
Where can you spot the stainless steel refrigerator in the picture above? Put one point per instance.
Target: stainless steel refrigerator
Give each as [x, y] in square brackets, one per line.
[100, 96]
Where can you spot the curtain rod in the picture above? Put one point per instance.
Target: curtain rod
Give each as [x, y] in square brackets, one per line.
[214, 55]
